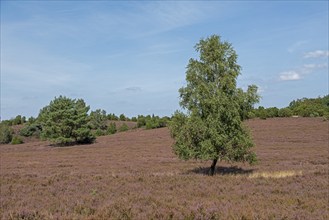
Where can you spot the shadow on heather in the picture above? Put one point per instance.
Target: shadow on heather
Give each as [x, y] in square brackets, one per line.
[220, 170]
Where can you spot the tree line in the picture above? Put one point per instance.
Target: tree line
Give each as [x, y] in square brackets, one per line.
[100, 123]
[305, 107]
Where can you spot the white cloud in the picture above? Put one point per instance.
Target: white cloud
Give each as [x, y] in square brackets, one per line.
[289, 76]
[317, 54]
[300, 72]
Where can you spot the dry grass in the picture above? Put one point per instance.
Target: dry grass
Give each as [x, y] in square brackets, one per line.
[134, 175]
[277, 174]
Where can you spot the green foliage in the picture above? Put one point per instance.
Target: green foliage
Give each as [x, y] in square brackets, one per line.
[141, 121]
[15, 121]
[313, 107]
[99, 132]
[31, 120]
[212, 127]
[123, 127]
[98, 120]
[33, 129]
[65, 121]
[122, 117]
[6, 133]
[18, 120]
[285, 112]
[247, 101]
[112, 117]
[17, 140]
[112, 128]
[151, 122]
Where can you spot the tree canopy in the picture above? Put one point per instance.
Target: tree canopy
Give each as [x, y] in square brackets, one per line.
[211, 128]
[65, 121]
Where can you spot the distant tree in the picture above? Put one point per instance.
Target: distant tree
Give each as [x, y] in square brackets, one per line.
[310, 107]
[122, 117]
[112, 117]
[31, 120]
[272, 112]
[285, 112]
[247, 101]
[212, 127]
[98, 119]
[18, 120]
[65, 121]
[261, 112]
[141, 121]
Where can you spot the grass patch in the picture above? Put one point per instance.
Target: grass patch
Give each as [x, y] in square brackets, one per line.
[276, 175]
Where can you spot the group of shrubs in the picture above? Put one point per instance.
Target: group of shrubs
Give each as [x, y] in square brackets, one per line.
[151, 122]
[7, 135]
[66, 121]
[305, 107]
[100, 124]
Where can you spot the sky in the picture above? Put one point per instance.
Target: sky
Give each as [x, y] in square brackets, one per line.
[130, 56]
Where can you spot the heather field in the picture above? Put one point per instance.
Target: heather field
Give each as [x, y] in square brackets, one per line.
[135, 175]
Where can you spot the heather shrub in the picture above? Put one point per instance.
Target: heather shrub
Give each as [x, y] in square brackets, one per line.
[6, 133]
[17, 140]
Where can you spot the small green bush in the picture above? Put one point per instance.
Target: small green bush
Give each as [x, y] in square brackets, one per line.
[141, 121]
[112, 129]
[30, 130]
[152, 123]
[123, 127]
[17, 140]
[100, 132]
[6, 133]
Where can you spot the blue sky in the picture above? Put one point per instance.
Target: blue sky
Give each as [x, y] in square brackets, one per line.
[130, 57]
